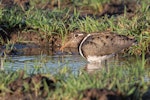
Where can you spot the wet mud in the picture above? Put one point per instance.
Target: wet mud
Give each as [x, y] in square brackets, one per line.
[29, 88]
[101, 94]
[33, 44]
[39, 86]
[15, 34]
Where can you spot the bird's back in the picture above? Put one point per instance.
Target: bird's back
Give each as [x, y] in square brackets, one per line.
[101, 44]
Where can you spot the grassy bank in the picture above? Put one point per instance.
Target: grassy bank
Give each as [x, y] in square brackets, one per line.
[129, 80]
[61, 17]
[85, 16]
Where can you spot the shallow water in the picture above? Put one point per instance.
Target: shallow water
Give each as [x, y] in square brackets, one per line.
[44, 63]
[52, 64]
[54, 61]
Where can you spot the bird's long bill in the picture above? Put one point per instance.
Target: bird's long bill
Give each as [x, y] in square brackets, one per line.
[64, 46]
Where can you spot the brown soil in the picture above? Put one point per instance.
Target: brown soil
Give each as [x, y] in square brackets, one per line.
[101, 94]
[29, 88]
[34, 37]
[109, 9]
[146, 95]
[24, 4]
[34, 88]
[105, 94]
[16, 35]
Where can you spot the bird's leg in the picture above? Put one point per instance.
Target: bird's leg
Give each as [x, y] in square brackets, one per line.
[106, 65]
[2, 63]
[2, 60]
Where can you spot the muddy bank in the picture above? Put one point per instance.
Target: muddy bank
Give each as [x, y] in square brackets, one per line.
[101, 94]
[31, 44]
[34, 87]
[14, 34]
[42, 87]
[31, 39]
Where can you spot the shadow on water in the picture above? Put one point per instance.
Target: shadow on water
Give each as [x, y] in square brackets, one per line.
[50, 60]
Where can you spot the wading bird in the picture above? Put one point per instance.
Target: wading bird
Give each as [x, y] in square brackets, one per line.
[96, 47]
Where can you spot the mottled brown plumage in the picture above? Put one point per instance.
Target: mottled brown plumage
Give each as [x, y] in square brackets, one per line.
[101, 45]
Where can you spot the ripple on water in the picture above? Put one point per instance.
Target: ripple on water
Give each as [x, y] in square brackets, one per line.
[44, 62]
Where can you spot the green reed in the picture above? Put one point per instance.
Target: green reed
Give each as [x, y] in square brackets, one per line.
[128, 78]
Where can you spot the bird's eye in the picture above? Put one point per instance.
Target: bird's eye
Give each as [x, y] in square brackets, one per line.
[76, 35]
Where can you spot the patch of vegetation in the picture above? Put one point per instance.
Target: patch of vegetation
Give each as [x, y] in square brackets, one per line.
[61, 17]
[53, 20]
[131, 81]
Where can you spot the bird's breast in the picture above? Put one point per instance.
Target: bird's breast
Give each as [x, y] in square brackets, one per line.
[98, 58]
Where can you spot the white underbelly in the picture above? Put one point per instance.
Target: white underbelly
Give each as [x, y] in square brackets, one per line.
[98, 58]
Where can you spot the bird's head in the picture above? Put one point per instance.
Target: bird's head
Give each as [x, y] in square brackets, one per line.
[74, 40]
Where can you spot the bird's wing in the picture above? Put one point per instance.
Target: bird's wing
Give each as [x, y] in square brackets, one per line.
[105, 43]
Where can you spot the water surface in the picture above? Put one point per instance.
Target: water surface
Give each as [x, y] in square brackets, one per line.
[52, 62]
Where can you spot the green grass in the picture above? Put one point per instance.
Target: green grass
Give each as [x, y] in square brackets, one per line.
[62, 21]
[129, 79]
[123, 78]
